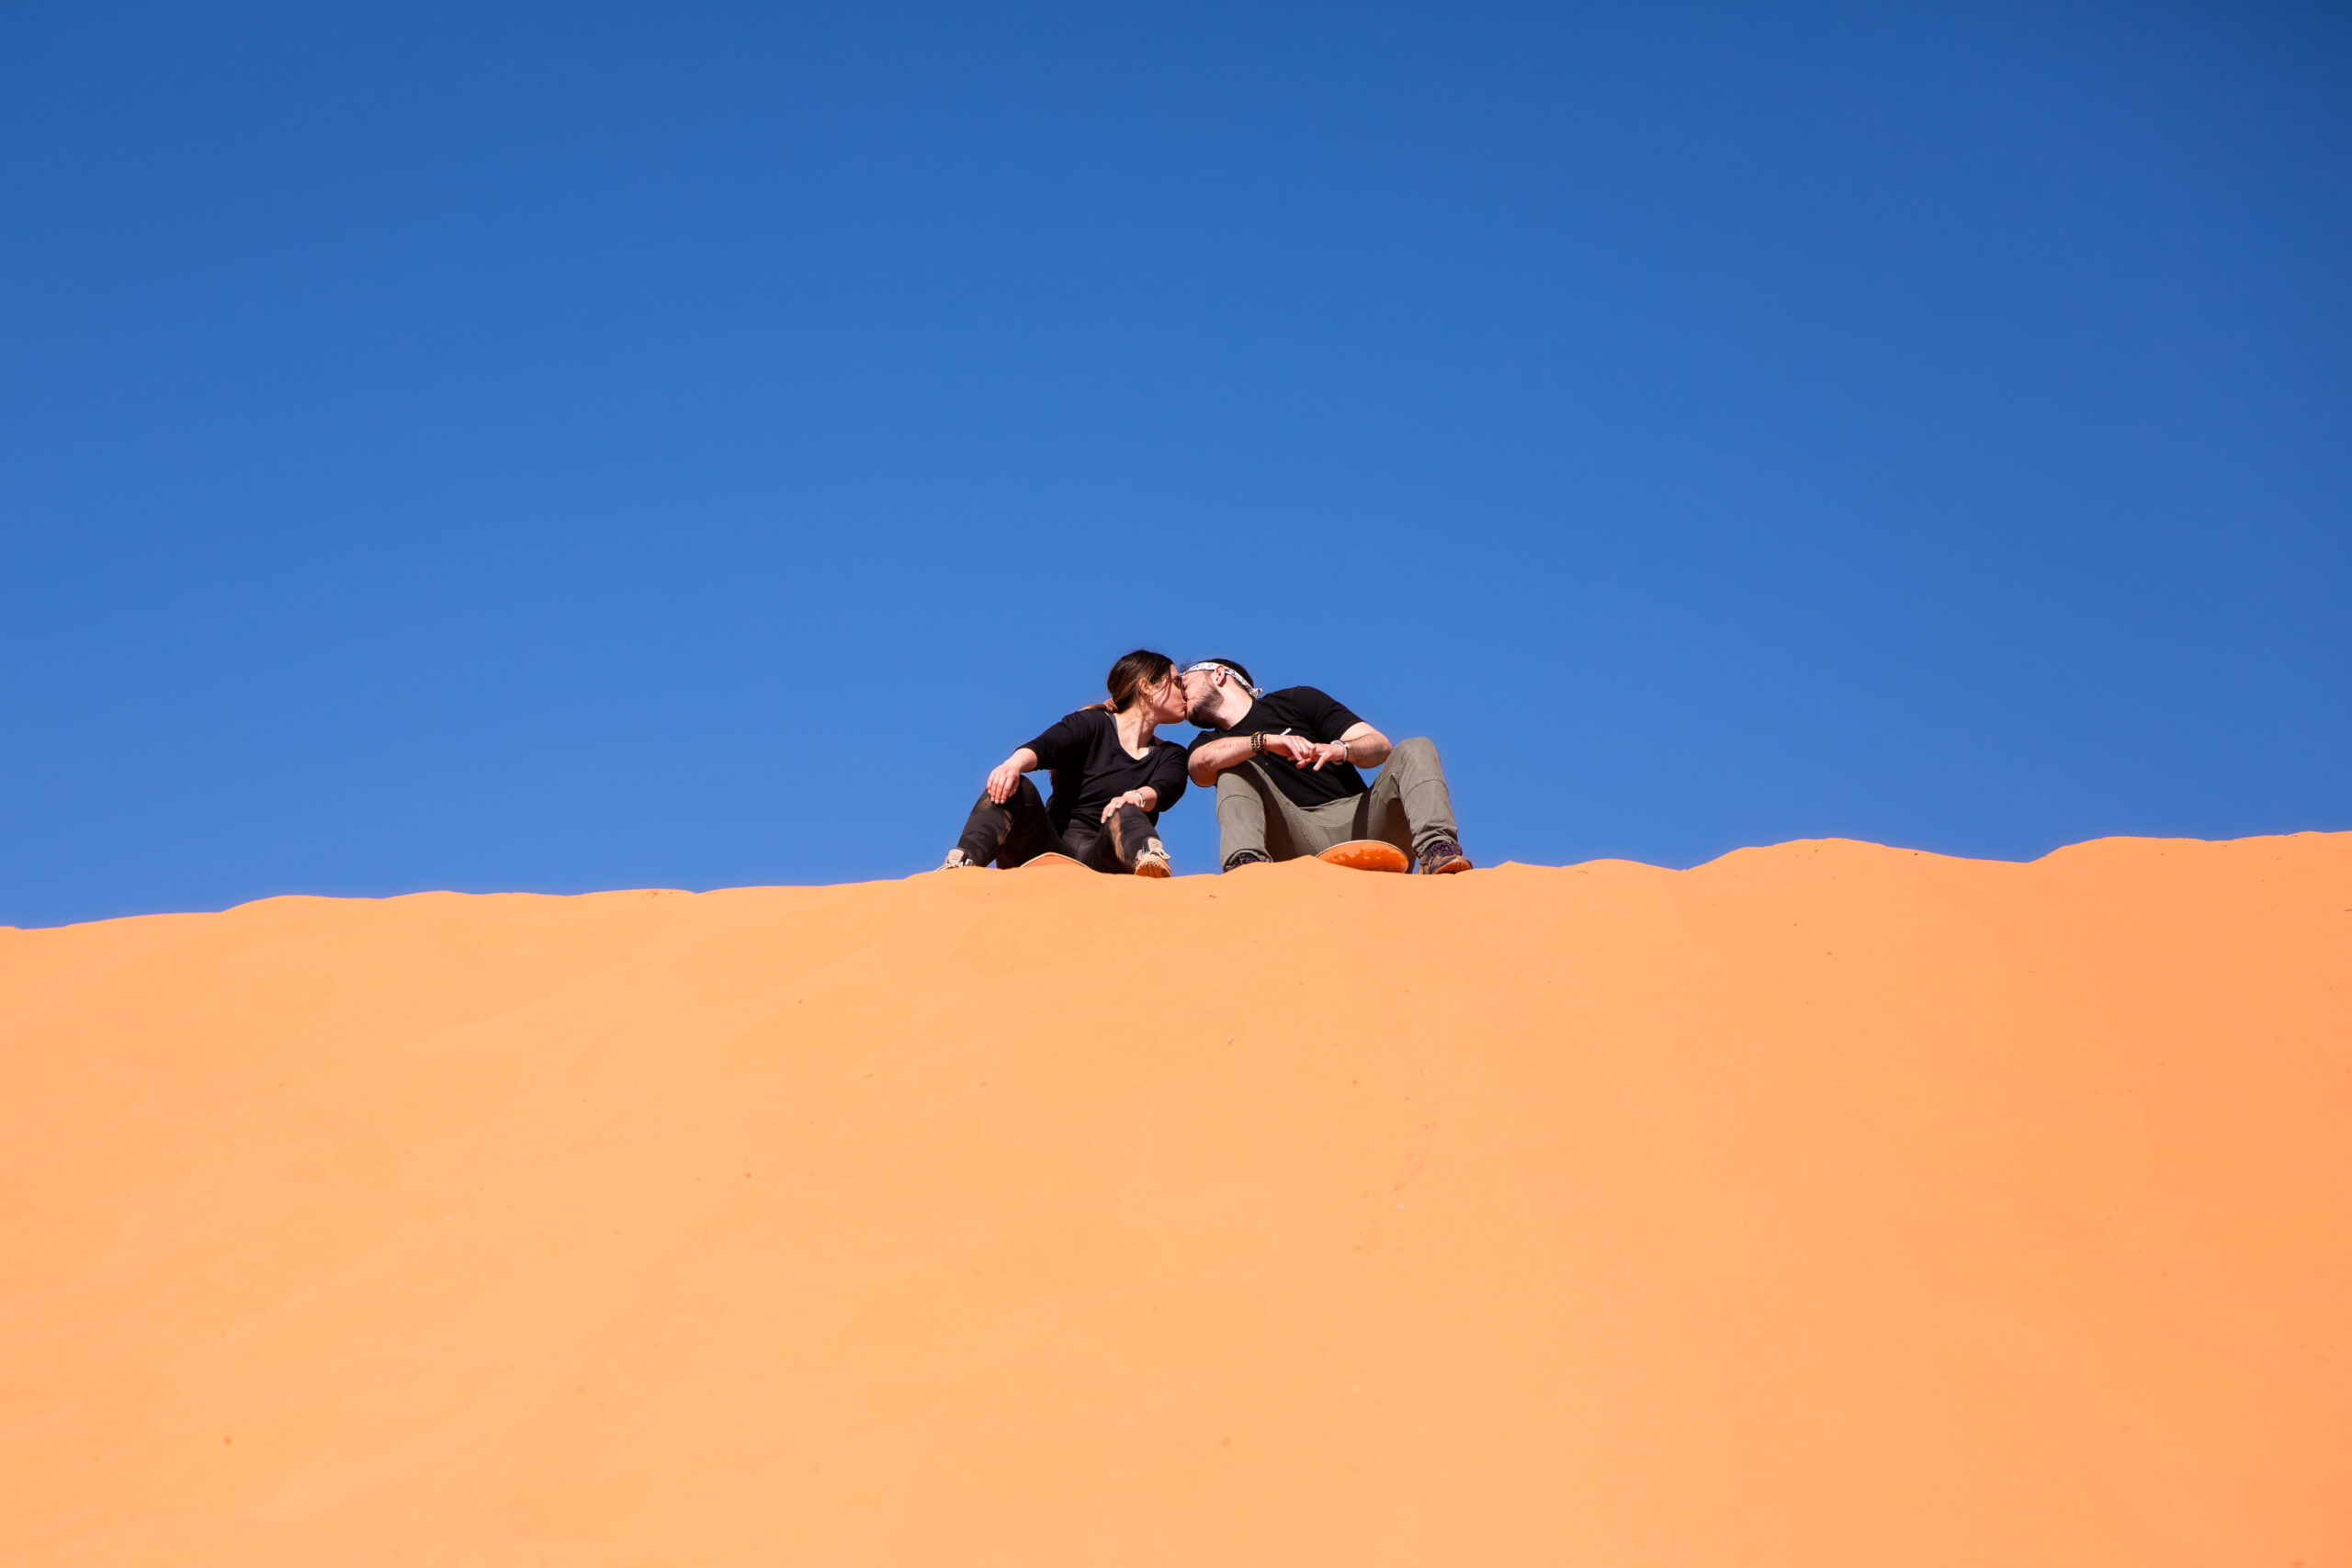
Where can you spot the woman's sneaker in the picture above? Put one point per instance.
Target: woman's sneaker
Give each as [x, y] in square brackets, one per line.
[1153, 862]
[1443, 854]
[958, 861]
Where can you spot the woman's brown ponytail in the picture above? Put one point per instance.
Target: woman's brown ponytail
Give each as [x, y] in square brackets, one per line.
[1132, 672]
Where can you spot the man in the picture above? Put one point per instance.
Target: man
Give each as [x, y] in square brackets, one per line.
[1283, 765]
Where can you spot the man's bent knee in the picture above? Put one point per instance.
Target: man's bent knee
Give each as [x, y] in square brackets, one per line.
[1245, 816]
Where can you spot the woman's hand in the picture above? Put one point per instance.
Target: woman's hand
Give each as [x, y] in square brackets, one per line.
[1007, 777]
[1142, 799]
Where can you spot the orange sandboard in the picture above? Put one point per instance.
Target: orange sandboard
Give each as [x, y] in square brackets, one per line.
[1051, 857]
[1367, 854]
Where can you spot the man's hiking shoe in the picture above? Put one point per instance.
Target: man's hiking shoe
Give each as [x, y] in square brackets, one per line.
[958, 861]
[1153, 862]
[1443, 854]
[1247, 857]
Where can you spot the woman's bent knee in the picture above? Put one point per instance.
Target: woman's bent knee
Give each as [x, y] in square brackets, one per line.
[1024, 793]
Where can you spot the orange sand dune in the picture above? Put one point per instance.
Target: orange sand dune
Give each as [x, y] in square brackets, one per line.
[1827, 1204]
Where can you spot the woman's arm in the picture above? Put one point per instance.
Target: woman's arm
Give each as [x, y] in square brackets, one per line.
[1007, 776]
[1146, 797]
[1168, 780]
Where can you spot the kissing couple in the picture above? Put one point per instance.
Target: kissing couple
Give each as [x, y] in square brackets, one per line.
[1285, 765]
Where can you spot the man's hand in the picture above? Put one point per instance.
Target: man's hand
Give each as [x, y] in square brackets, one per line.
[1142, 799]
[1305, 753]
[1297, 748]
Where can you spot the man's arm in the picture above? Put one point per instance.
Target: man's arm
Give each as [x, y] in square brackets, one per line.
[1215, 756]
[1362, 744]
[1365, 746]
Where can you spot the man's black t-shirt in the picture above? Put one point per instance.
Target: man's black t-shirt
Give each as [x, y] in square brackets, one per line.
[1296, 710]
[1091, 768]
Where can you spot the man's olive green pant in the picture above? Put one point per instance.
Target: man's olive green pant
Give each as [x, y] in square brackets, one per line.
[1407, 805]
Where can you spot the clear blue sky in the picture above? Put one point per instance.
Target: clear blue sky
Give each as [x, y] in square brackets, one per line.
[681, 446]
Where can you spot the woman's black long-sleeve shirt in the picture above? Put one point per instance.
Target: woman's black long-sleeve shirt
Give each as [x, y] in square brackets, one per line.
[1091, 768]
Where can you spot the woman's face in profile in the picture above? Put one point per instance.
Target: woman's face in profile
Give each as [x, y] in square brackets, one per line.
[1167, 700]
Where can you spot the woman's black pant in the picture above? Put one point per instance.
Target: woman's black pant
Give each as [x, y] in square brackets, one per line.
[1020, 830]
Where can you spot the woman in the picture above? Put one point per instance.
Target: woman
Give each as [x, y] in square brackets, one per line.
[1112, 777]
